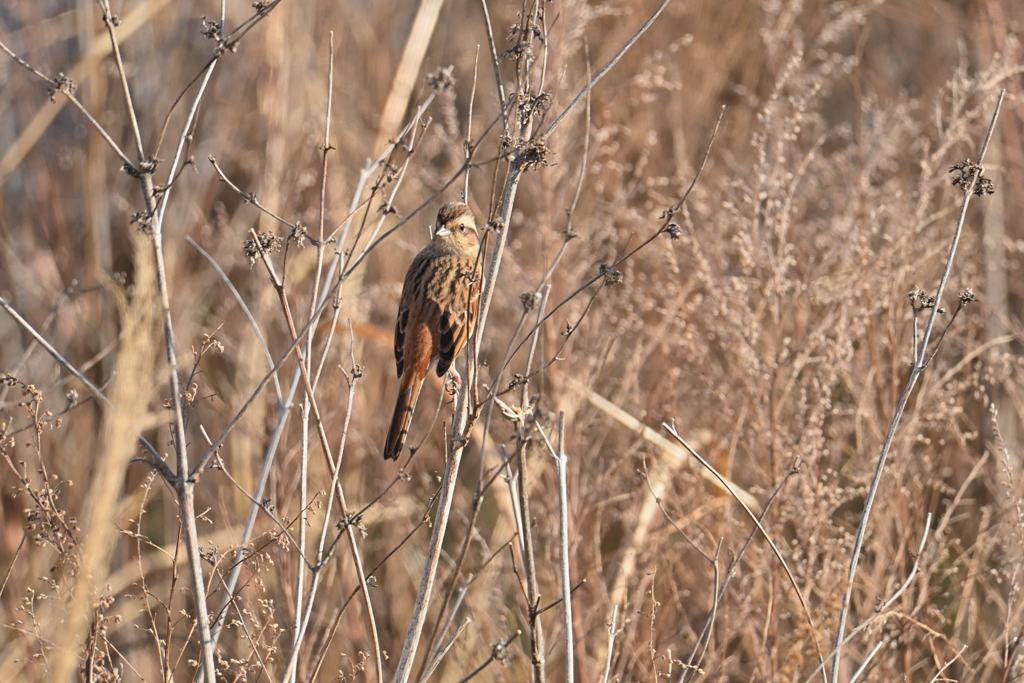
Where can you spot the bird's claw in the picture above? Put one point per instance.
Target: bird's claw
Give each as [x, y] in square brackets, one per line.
[454, 381]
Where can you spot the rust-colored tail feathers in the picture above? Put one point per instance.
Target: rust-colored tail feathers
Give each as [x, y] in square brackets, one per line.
[402, 419]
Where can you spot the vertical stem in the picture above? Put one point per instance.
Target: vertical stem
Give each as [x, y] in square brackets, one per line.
[185, 484]
[190, 535]
[563, 537]
[300, 569]
[611, 644]
[469, 126]
[302, 626]
[536, 634]
[529, 560]
[132, 118]
[919, 366]
[250, 523]
[419, 615]
[300, 565]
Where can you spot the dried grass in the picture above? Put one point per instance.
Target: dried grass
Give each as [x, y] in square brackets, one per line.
[769, 319]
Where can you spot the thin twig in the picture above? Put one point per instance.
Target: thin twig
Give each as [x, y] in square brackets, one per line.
[419, 615]
[656, 495]
[302, 610]
[248, 197]
[155, 460]
[337, 620]
[666, 221]
[436, 661]
[321, 559]
[108, 21]
[14, 560]
[66, 86]
[945, 666]
[601, 74]
[775, 549]
[241, 304]
[498, 83]
[558, 601]
[438, 630]
[561, 463]
[611, 644]
[469, 124]
[537, 648]
[867, 660]
[185, 485]
[497, 652]
[888, 603]
[704, 637]
[27, 353]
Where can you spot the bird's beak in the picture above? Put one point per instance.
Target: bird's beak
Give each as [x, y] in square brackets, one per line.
[443, 232]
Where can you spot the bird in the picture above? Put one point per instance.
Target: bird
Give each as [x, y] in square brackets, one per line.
[437, 312]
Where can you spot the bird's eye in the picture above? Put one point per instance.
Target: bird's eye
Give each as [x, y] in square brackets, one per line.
[462, 228]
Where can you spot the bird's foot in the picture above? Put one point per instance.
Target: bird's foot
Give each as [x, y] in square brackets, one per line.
[454, 381]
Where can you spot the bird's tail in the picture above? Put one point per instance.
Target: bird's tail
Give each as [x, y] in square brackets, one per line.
[402, 419]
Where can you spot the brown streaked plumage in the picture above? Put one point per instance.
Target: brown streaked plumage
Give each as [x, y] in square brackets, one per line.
[437, 312]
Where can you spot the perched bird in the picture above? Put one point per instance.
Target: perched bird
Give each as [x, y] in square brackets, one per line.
[437, 313]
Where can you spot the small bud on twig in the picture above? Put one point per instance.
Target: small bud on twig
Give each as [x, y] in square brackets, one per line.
[441, 79]
[610, 275]
[967, 297]
[530, 300]
[269, 243]
[966, 172]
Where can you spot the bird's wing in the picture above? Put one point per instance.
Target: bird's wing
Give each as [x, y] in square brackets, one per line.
[458, 314]
[411, 292]
[400, 325]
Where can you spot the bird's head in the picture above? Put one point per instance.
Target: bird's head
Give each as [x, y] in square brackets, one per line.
[456, 231]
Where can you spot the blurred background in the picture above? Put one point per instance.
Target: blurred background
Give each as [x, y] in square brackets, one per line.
[772, 325]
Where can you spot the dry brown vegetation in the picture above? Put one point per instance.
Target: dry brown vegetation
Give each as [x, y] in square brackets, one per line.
[767, 317]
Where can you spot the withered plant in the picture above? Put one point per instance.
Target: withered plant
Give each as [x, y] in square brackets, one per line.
[743, 401]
